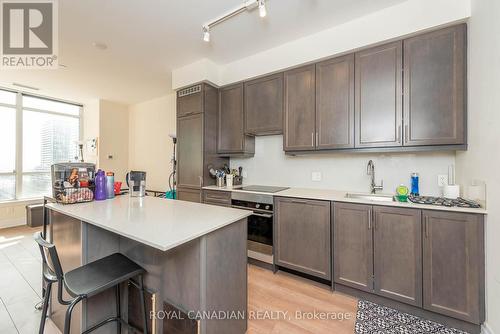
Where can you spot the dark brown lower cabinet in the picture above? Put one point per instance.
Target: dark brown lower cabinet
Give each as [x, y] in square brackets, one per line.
[353, 246]
[190, 195]
[398, 254]
[453, 264]
[302, 236]
[217, 197]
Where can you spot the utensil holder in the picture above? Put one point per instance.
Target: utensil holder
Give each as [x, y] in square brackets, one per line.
[220, 182]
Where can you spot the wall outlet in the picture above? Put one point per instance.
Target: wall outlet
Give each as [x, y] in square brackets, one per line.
[442, 180]
[316, 176]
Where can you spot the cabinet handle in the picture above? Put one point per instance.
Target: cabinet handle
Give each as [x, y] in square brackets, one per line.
[298, 201]
[370, 219]
[312, 139]
[399, 133]
[406, 133]
[317, 138]
[426, 227]
[201, 181]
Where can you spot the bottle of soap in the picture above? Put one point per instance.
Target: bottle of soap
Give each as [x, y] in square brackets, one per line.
[414, 184]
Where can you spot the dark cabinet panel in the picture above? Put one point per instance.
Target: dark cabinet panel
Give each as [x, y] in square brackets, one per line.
[378, 90]
[398, 254]
[299, 123]
[190, 151]
[191, 103]
[353, 246]
[435, 87]
[190, 195]
[302, 236]
[335, 103]
[217, 197]
[230, 128]
[453, 264]
[264, 105]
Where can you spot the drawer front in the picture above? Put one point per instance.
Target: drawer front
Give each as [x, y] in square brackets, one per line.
[217, 197]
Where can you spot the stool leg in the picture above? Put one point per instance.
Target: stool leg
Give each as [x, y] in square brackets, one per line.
[118, 310]
[45, 307]
[67, 320]
[143, 305]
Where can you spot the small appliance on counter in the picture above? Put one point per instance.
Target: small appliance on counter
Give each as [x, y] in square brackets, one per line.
[73, 182]
[136, 182]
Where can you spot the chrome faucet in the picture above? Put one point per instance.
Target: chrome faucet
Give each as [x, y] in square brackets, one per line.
[370, 170]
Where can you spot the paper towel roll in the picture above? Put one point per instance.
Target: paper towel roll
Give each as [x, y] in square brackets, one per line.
[451, 191]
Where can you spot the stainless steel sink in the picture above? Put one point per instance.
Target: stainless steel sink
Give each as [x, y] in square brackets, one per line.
[371, 197]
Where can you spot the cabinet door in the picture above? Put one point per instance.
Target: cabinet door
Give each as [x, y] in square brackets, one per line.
[454, 265]
[435, 87]
[398, 254]
[191, 103]
[353, 246]
[230, 119]
[335, 103]
[299, 131]
[217, 197]
[190, 195]
[302, 236]
[190, 151]
[378, 103]
[264, 105]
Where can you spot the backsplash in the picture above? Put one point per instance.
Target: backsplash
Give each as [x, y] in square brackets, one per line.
[341, 171]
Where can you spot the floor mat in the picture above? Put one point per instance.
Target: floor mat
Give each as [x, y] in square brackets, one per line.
[372, 318]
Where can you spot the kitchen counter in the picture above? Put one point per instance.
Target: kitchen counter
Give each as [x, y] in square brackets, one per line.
[157, 222]
[195, 256]
[340, 196]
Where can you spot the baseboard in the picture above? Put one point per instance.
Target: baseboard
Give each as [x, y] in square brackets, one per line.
[486, 329]
[5, 223]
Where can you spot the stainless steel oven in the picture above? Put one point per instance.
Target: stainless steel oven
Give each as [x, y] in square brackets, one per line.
[260, 224]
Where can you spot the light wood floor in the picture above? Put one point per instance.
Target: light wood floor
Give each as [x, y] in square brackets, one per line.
[278, 295]
[282, 292]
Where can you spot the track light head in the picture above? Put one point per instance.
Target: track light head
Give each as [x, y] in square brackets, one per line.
[262, 8]
[206, 34]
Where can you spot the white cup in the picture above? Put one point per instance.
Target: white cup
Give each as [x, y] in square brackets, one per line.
[229, 180]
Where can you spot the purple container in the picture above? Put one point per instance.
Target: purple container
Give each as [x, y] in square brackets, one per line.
[100, 186]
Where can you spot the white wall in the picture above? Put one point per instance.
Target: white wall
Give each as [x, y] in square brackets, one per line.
[403, 19]
[482, 159]
[342, 171]
[150, 146]
[90, 127]
[113, 138]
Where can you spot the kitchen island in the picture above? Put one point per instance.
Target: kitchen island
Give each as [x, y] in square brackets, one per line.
[194, 255]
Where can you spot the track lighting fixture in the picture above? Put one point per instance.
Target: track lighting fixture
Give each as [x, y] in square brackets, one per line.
[206, 34]
[248, 5]
[262, 8]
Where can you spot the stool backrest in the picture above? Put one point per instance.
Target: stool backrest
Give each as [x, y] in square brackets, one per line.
[52, 269]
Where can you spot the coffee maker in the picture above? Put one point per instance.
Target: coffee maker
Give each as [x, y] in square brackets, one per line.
[136, 182]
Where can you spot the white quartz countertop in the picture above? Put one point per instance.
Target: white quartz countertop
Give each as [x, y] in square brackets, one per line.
[340, 196]
[157, 222]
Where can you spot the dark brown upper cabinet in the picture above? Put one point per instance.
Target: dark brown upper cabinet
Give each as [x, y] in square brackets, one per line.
[435, 87]
[397, 242]
[453, 264]
[231, 139]
[190, 101]
[299, 123]
[378, 90]
[335, 103]
[264, 105]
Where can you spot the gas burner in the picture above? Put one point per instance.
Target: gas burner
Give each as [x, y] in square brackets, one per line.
[442, 201]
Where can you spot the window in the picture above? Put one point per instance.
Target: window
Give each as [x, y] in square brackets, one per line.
[34, 133]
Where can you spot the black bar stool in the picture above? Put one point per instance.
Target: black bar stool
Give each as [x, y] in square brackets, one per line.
[87, 281]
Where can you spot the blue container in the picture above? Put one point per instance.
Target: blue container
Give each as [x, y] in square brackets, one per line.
[414, 184]
[100, 186]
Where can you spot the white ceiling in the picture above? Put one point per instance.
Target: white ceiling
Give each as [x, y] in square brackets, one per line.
[148, 38]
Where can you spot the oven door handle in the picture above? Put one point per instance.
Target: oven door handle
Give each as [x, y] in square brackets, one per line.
[255, 211]
[265, 215]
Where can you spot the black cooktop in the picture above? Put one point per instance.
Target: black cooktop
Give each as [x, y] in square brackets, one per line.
[442, 201]
[264, 189]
